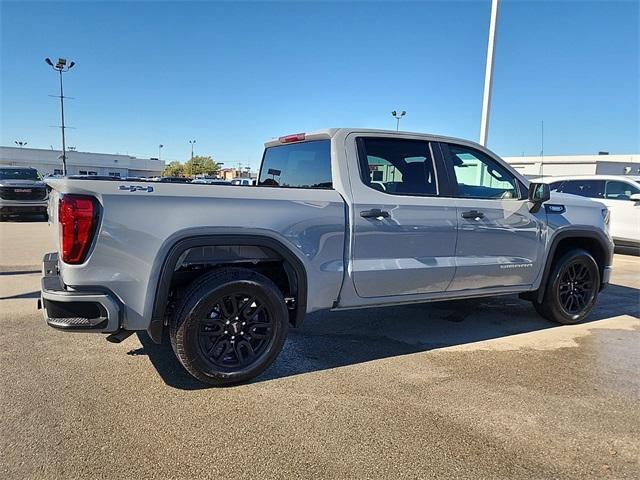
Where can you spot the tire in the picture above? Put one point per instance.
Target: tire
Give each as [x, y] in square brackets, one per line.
[208, 334]
[572, 288]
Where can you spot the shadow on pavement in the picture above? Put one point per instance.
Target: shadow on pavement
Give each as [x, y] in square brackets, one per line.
[337, 339]
[22, 295]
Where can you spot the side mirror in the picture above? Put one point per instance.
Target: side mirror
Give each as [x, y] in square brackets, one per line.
[538, 194]
[635, 197]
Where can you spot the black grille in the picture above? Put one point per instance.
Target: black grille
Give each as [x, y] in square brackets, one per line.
[23, 193]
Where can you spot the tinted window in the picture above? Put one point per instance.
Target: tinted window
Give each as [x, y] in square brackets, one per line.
[19, 174]
[479, 176]
[297, 165]
[620, 190]
[397, 166]
[584, 188]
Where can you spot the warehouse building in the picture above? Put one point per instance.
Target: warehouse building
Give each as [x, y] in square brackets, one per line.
[561, 165]
[49, 162]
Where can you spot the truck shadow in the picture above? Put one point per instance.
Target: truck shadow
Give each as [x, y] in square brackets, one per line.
[337, 339]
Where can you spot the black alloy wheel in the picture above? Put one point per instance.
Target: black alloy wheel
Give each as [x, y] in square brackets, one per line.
[236, 331]
[572, 288]
[229, 326]
[576, 286]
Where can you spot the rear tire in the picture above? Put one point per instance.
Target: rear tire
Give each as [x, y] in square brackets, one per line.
[572, 288]
[229, 326]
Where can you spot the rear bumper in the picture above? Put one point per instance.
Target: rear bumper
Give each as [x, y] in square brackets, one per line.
[75, 311]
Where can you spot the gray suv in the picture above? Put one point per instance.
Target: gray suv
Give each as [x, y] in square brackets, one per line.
[21, 191]
[338, 219]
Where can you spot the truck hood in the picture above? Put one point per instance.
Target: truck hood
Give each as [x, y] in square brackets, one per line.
[575, 200]
[21, 183]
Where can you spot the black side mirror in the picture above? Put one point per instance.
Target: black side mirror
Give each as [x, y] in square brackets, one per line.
[538, 194]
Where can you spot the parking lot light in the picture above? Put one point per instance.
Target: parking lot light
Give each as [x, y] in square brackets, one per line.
[62, 67]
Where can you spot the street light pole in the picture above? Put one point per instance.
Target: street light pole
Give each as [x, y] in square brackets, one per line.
[398, 116]
[61, 67]
[160, 151]
[488, 75]
[192, 142]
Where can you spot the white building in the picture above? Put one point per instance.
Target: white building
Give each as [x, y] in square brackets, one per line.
[561, 165]
[49, 162]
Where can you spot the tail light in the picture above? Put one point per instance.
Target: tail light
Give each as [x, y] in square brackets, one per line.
[78, 218]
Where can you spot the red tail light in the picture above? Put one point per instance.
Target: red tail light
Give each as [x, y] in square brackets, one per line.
[297, 137]
[77, 215]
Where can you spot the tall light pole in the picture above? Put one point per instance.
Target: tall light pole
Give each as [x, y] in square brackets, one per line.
[398, 116]
[20, 143]
[192, 142]
[61, 67]
[488, 75]
[160, 147]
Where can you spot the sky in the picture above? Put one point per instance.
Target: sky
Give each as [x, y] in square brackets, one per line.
[231, 75]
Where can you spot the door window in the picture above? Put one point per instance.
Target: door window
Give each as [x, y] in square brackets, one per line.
[398, 166]
[479, 176]
[616, 190]
[584, 188]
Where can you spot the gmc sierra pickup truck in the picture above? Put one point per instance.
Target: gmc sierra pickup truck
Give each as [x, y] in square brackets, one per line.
[21, 191]
[338, 219]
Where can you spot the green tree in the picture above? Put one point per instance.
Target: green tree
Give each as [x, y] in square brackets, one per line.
[174, 169]
[199, 165]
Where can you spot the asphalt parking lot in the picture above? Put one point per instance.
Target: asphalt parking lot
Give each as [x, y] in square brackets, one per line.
[474, 389]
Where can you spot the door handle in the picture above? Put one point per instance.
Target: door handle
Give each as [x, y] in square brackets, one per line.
[374, 213]
[473, 214]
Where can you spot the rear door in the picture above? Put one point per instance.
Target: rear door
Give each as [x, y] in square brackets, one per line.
[404, 229]
[500, 242]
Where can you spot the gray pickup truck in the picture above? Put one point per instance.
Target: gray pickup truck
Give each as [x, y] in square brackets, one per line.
[22, 191]
[339, 219]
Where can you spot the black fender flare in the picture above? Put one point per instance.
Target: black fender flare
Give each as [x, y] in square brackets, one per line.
[577, 232]
[156, 325]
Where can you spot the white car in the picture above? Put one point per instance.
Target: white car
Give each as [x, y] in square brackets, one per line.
[621, 195]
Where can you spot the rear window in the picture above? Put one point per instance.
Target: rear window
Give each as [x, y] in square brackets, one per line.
[297, 165]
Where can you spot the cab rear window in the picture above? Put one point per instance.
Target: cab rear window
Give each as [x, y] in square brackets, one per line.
[297, 165]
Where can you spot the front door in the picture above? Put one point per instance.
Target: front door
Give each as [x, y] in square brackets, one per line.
[500, 242]
[404, 231]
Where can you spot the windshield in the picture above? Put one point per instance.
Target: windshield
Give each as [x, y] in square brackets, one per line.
[19, 174]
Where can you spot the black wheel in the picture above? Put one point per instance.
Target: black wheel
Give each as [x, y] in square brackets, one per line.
[229, 326]
[572, 288]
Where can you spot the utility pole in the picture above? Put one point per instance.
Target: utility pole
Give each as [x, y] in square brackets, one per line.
[398, 116]
[488, 75]
[542, 148]
[61, 67]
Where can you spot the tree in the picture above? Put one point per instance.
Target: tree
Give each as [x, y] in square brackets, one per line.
[174, 169]
[199, 165]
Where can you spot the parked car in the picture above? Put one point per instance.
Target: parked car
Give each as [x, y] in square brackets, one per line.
[22, 191]
[339, 219]
[174, 180]
[241, 181]
[211, 181]
[621, 195]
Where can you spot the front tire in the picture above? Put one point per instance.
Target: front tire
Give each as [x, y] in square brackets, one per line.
[229, 326]
[572, 288]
